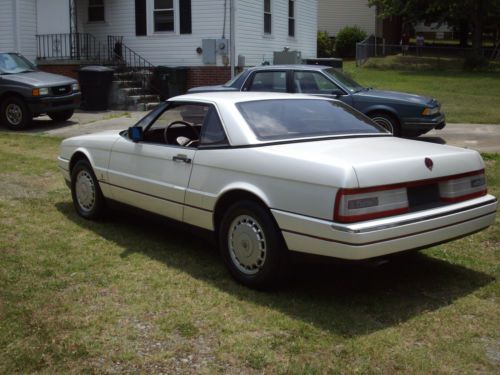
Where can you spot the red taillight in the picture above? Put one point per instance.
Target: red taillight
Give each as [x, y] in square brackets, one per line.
[370, 203]
[353, 205]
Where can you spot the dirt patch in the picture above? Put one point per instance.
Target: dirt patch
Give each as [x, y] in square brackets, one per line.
[17, 185]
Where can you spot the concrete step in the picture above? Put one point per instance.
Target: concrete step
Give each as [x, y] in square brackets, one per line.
[128, 83]
[145, 98]
[149, 106]
[131, 91]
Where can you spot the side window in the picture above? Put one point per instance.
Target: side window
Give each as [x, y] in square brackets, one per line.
[212, 132]
[313, 83]
[179, 125]
[96, 11]
[269, 81]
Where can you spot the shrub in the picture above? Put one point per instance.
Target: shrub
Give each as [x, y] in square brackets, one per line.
[347, 37]
[325, 45]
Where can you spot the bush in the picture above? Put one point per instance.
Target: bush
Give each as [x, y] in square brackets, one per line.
[325, 45]
[347, 37]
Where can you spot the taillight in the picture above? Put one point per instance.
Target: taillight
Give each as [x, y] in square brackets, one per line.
[370, 203]
[463, 187]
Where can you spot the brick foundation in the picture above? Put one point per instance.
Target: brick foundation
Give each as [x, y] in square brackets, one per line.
[209, 75]
[68, 70]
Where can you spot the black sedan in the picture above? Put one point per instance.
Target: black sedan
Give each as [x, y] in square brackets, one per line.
[402, 114]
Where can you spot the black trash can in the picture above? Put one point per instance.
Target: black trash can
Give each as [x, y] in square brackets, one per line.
[95, 83]
[328, 61]
[170, 81]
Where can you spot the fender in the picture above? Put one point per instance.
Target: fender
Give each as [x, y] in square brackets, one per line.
[381, 108]
[243, 186]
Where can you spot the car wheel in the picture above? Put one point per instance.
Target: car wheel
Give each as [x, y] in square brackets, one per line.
[15, 113]
[85, 191]
[387, 121]
[252, 246]
[61, 115]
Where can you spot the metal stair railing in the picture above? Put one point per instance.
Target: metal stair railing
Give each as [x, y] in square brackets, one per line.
[71, 46]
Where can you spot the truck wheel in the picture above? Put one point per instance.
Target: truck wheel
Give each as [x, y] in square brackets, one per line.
[14, 113]
[252, 246]
[61, 115]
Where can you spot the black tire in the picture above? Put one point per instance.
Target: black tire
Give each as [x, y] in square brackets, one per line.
[387, 121]
[248, 231]
[61, 115]
[15, 114]
[86, 192]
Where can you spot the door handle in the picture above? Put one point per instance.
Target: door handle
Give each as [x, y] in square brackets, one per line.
[182, 158]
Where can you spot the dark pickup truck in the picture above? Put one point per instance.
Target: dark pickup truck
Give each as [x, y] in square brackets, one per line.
[26, 92]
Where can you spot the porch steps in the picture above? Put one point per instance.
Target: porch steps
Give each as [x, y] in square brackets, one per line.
[132, 90]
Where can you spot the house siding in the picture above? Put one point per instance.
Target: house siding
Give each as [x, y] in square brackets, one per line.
[257, 47]
[333, 15]
[23, 20]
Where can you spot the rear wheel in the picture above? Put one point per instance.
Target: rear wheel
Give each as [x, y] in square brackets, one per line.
[85, 191]
[387, 121]
[14, 113]
[252, 246]
[61, 115]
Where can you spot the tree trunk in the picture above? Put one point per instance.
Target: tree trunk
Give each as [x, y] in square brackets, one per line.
[463, 33]
[477, 32]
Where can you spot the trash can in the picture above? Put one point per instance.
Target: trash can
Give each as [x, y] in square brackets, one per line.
[170, 81]
[95, 83]
[334, 62]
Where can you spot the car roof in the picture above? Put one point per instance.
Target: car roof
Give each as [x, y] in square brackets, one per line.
[232, 97]
[290, 67]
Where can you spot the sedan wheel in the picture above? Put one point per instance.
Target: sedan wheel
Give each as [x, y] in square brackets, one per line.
[87, 196]
[386, 121]
[252, 246]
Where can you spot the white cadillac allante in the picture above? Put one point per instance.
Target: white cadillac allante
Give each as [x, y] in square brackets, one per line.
[273, 173]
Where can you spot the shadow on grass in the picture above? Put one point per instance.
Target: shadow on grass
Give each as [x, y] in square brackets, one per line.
[346, 299]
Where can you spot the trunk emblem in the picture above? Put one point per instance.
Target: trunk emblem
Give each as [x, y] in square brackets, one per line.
[429, 163]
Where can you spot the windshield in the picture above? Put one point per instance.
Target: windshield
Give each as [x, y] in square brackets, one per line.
[298, 118]
[346, 81]
[234, 79]
[11, 63]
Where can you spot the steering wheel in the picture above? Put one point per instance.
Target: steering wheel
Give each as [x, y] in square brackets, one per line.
[169, 140]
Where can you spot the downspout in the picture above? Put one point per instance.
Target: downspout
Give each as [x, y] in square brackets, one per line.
[232, 27]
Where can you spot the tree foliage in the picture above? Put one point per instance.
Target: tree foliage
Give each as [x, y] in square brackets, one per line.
[464, 15]
[347, 37]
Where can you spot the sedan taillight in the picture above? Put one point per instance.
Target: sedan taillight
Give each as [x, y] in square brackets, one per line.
[365, 204]
[463, 187]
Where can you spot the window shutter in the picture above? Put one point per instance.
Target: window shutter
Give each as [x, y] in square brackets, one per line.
[140, 17]
[185, 16]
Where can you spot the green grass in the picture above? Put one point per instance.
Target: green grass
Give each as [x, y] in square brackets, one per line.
[466, 97]
[130, 294]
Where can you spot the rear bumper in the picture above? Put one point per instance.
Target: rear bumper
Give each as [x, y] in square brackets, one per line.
[386, 236]
[41, 105]
[421, 125]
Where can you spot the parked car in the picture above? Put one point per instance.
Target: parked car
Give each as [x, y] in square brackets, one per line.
[274, 173]
[26, 92]
[402, 114]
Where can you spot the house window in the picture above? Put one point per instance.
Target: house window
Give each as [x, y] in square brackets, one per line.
[291, 17]
[163, 15]
[96, 10]
[267, 17]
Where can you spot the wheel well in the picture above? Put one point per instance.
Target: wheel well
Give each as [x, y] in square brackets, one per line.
[228, 199]
[76, 158]
[10, 94]
[384, 112]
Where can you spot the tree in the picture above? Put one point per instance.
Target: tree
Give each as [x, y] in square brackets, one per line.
[464, 15]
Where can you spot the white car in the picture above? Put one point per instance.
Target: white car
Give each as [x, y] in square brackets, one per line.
[274, 173]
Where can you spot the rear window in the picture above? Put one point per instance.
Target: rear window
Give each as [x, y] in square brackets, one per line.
[297, 118]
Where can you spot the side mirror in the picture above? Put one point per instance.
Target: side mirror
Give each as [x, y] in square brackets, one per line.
[135, 133]
[337, 93]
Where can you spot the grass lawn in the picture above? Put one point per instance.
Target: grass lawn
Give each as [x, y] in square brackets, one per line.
[131, 294]
[466, 97]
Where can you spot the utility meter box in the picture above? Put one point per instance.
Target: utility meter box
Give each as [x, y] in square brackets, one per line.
[222, 46]
[209, 51]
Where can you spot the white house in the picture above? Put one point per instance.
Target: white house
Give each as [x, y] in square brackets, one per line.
[164, 32]
[333, 15]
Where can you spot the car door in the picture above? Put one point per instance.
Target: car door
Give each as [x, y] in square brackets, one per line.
[315, 83]
[153, 173]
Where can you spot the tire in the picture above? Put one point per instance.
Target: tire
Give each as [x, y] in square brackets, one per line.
[86, 192]
[14, 113]
[61, 115]
[387, 121]
[251, 246]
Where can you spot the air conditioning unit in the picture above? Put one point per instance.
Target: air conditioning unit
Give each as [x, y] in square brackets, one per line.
[287, 57]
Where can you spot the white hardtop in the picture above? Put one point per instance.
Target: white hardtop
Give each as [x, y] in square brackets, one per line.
[233, 97]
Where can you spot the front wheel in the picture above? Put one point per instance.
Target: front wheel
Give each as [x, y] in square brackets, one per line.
[61, 115]
[14, 113]
[85, 191]
[252, 246]
[387, 121]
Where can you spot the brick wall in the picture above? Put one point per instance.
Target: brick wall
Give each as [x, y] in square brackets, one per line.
[68, 70]
[209, 75]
